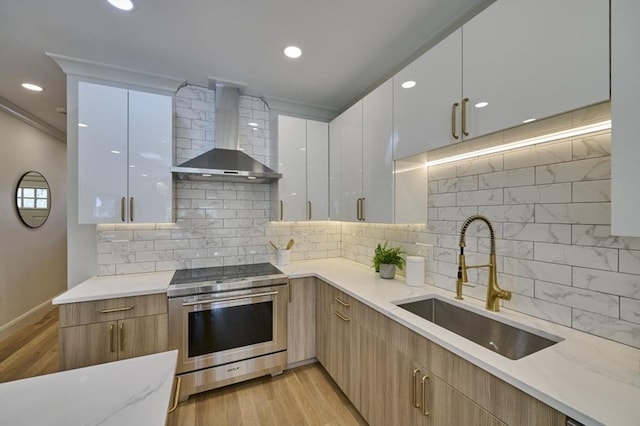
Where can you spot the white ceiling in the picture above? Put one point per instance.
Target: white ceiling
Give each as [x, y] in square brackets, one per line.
[349, 46]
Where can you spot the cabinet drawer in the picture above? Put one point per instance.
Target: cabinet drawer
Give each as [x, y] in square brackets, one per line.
[81, 313]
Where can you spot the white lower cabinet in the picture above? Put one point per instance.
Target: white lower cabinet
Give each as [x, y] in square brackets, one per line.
[124, 155]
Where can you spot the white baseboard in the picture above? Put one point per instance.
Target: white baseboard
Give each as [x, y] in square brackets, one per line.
[26, 319]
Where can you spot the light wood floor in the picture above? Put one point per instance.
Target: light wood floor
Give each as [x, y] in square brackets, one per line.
[302, 396]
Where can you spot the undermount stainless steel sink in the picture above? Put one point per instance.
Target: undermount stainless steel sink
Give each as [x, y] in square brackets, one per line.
[509, 341]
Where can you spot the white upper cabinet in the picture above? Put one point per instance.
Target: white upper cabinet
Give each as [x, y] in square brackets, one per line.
[515, 61]
[534, 59]
[303, 160]
[124, 155]
[335, 168]
[625, 118]
[376, 205]
[422, 114]
[350, 142]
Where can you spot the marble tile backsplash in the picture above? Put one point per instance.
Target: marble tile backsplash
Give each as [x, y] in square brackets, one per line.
[549, 204]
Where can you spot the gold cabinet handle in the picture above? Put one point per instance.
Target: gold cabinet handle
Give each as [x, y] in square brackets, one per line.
[122, 209]
[131, 209]
[290, 291]
[416, 403]
[342, 317]
[111, 339]
[309, 204]
[343, 303]
[176, 396]
[281, 209]
[362, 209]
[464, 116]
[108, 311]
[424, 395]
[453, 120]
[358, 209]
[121, 337]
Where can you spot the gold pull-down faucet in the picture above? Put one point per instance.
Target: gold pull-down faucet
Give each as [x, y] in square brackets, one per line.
[494, 293]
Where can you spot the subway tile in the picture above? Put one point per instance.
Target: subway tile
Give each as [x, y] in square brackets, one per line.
[617, 283]
[540, 309]
[102, 270]
[576, 213]
[538, 155]
[135, 268]
[456, 213]
[630, 261]
[444, 171]
[592, 147]
[168, 265]
[591, 191]
[507, 178]
[543, 271]
[515, 284]
[600, 236]
[574, 171]
[479, 197]
[509, 213]
[207, 204]
[152, 256]
[170, 244]
[442, 200]
[479, 165]
[456, 184]
[586, 300]
[519, 249]
[550, 233]
[554, 193]
[588, 257]
[610, 328]
[630, 310]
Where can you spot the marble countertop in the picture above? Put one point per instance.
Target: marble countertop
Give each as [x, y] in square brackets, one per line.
[113, 286]
[134, 391]
[593, 380]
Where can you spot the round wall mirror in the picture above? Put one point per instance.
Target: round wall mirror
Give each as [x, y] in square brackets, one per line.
[33, 199]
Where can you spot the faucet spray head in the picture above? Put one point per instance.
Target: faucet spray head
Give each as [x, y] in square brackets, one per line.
[462, 267]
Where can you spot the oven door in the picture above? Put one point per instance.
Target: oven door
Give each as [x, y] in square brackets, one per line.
[219, 328]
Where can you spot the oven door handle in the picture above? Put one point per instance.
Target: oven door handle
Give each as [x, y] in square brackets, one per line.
[227, 299]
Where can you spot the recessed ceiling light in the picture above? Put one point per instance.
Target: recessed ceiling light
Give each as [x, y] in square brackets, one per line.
[529, 120]
[115, 152]
[33, 87]
[292, 52]
[126, 5]
[252, 124]
[408, 84]
[481, 104]
[82, 125]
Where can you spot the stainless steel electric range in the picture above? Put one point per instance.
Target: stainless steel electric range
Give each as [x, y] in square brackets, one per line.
[229, 324]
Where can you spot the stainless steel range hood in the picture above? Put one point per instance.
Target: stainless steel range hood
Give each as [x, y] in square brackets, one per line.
[226, 162]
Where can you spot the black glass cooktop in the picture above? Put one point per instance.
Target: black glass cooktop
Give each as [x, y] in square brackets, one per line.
[224, 273]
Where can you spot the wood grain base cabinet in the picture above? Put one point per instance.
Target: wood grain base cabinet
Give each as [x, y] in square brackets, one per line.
[394, 376]
[301, 320]
[109, 330]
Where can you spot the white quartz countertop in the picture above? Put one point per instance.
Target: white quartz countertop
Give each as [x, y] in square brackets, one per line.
[113, 286]
[593, 380]
[134, 391]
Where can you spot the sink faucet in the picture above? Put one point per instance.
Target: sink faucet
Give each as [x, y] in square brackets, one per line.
[494, 293]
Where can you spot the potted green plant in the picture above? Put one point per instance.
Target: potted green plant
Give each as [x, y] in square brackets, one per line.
[385, 260]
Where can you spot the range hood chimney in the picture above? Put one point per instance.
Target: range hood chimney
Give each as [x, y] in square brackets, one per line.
[226, 162]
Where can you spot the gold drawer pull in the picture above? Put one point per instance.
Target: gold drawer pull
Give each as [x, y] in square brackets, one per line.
[424, 395]
[342, 317]
[345, 304]
[111, 339]
[108, 311]
[416, 403]
[176, 396]
[121, 337]
[453, 120]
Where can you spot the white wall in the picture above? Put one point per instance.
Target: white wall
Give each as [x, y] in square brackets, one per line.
[32, 261]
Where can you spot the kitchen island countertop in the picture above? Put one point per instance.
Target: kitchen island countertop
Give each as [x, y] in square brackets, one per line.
[593, 380]
[135, 391]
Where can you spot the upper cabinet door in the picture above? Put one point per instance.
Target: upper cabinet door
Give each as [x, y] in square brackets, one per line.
[625, 118]
[534, 59]
[317, 170]
[150, 149]
[292, 163]
[377, 154]
[351, 167]
[335, 168]
[102, 153]
[422, 114]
